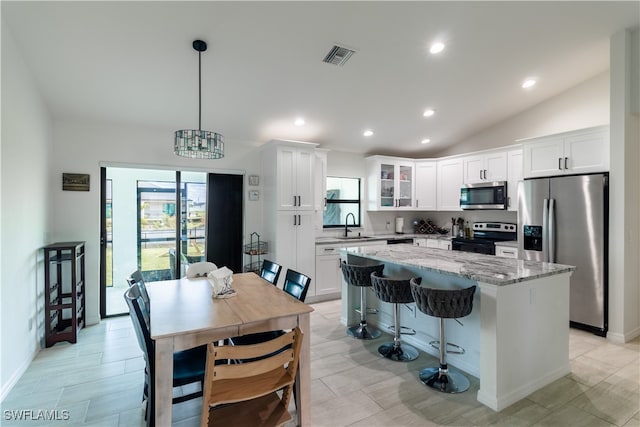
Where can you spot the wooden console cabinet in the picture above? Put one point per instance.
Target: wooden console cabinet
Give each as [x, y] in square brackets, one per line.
[64, 291]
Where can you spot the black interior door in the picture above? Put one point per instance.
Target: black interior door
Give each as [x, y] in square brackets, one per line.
[224, 220]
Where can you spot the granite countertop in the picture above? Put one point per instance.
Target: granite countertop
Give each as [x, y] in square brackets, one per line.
[323, 240]
[478, 267]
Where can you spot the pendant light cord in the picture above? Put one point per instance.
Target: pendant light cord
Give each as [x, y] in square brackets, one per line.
[199, 91]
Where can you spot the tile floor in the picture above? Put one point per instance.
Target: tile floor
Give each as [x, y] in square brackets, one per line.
[98, 382]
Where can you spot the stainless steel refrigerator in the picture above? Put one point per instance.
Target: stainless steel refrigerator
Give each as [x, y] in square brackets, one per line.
[564, 220]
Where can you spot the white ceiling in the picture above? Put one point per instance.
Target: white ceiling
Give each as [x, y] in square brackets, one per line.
[132, 63]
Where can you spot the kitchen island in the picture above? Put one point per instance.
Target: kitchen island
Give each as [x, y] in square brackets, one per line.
[517, 336]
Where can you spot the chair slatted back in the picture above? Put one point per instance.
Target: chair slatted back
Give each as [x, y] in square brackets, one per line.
[270, 271]
[137, 279]
[245, 382]
[140, 321]
[296, 284]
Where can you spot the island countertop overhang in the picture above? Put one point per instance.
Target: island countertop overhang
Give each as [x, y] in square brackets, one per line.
[478, 267]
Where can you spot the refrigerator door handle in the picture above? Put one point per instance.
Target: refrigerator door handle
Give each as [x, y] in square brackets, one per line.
[545, 230]
[552, 230]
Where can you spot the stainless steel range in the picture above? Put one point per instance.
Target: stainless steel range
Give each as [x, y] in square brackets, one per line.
[485, 234]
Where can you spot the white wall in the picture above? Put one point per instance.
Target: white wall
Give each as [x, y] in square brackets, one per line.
[25, 222]
[80, 147]
[584, 105]
[624, 253]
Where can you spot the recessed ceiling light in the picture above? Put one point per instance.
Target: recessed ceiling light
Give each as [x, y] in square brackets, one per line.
[429, 112]
[368, 132]
[528, 83]
[299, 121]
[426, 141]
[436, 48]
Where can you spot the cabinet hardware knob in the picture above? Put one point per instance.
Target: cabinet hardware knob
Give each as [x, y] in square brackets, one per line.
[560, 163]
[565, 162]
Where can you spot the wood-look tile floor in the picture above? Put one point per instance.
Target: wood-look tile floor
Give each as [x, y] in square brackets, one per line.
[98, 382]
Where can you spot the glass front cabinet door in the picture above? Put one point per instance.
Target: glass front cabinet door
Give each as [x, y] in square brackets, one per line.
[391, 183]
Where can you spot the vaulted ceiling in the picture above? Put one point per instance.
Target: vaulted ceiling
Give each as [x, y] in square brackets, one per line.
[133, 63]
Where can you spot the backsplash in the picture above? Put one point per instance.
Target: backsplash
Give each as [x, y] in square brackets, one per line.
[384, 222]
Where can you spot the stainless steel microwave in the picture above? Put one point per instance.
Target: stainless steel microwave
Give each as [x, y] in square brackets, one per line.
[484, 195]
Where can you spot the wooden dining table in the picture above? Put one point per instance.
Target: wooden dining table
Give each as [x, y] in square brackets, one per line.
[185, 315]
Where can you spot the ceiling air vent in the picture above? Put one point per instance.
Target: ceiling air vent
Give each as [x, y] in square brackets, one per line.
[338, 55]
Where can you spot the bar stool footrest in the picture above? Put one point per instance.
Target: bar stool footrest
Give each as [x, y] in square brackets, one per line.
[458, 350]
[369, 310]
[404, 330]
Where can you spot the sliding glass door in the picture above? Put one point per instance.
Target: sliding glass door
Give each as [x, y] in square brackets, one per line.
[153, 221]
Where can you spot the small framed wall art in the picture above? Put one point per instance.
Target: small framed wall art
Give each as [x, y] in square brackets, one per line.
[254, 195]
[75, 182]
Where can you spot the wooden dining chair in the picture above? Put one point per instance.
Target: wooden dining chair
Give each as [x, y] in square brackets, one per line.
[188, 365]
[246, 394]
[270, 271]
[200, 269]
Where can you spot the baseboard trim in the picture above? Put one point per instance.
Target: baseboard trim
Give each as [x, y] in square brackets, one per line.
[498, 403]
[622, 338]
[8, 386]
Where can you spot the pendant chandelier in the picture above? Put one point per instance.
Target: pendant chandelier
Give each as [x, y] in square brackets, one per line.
[199, 144]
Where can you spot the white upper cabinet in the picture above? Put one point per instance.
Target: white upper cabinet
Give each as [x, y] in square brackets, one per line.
[485, 167]
[390, 183]
[426, 188]
[449, 182]
[295, 178]
[514, 175]
[576, 152]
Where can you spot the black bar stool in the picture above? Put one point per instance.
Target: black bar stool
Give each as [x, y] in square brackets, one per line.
[445, 304]
[360, 276]
[395, 291]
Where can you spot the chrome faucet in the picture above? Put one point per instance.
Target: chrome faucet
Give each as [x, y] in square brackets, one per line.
[346, 230]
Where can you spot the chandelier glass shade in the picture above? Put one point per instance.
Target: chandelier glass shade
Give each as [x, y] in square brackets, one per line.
[198, 144]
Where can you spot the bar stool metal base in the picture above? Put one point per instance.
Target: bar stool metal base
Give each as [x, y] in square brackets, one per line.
[398, 353]
[444, 380]
[364, 332]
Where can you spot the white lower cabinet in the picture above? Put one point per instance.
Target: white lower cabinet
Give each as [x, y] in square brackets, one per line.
[328, 271]
[444, 244]
[506, 252]
[433, 243]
